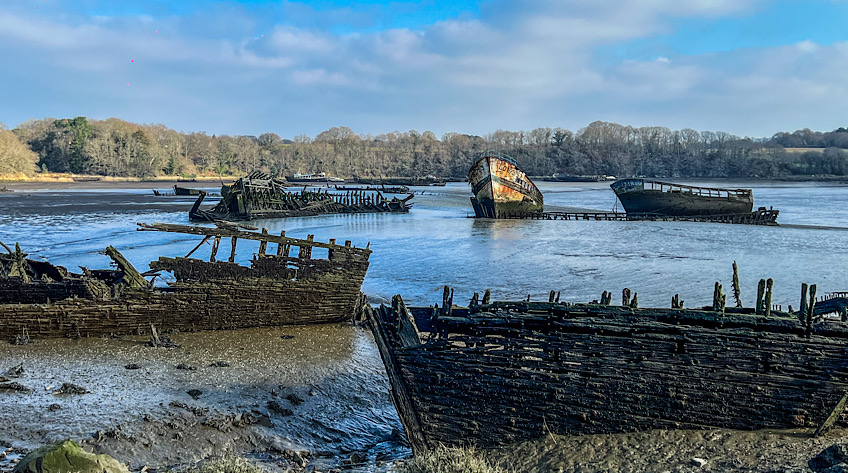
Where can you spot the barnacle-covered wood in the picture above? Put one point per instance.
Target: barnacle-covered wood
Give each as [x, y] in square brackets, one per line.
[496, 373]
[48, 301]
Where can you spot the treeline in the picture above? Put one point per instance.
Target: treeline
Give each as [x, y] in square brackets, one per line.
[118, 148]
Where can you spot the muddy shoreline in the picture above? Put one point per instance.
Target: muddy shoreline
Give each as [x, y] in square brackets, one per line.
[292, 396]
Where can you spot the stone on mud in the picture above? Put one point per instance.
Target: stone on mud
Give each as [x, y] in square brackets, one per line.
[67, 457]
[833, 459]
[71, 388]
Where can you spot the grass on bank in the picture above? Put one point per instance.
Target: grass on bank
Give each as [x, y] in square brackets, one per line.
[451, 460]
[225, 465]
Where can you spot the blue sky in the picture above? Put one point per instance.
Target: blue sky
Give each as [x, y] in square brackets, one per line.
[747, 67]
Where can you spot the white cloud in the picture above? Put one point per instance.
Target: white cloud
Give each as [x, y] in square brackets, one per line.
[518, 66]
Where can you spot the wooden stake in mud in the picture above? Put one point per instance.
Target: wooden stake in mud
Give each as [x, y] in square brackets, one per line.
[552, 296]
[487, 297]
[769, 287]
[447, 301]
[676, 303]
[761, 289]
[810, 308]
[803, 309]
[625, 297]
[634, 303]
[263, 245]
[737, 293]
[232, 258]
[280, 246]
[215, 243]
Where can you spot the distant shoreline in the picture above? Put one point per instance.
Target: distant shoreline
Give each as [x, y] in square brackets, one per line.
[66, 181]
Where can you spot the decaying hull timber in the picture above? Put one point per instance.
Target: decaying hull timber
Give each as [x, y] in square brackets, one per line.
[501, 189]
[279, 288]
[259, 196]
[645, 196]
[499, 372]
[178, 190]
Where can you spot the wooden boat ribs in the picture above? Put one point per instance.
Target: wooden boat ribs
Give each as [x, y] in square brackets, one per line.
[500, 372]
[259, 196]
[283, 285]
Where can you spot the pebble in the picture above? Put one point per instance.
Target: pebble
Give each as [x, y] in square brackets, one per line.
[700, 462]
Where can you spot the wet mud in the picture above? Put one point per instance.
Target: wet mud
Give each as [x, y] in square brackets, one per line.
[681, 451]
[292, 396]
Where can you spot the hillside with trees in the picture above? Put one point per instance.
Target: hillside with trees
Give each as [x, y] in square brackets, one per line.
[115, 147]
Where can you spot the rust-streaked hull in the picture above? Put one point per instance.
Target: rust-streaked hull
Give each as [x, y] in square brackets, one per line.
[501, 189]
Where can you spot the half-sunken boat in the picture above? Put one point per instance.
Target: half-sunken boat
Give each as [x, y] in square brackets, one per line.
[499, 372]
[39, 299]
[501, 189]
[259, 196]
[645, 196]
[312, 178]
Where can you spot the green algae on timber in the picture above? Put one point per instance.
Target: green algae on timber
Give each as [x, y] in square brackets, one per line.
[136, 415]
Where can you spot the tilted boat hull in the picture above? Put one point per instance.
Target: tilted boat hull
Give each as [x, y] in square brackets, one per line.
[501, 189]
[286, 287]
[502, 372]
[643, 196]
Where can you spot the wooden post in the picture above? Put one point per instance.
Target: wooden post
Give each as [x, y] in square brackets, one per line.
[233, 252]
[625, 297]
[445, 300]
[552, 296]
[803, 309]
[263, 245]
[737, 293]
[761, 289]
[769, 287]
[281, 245]
[215, 243]
[634, 303]
[487, 297]
[810, 308]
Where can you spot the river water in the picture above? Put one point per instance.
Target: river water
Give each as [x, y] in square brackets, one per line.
[414, 255]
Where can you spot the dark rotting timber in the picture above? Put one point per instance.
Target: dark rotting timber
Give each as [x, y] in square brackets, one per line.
[737, 292]
[505, 371]
[257, 195]
[44, 300]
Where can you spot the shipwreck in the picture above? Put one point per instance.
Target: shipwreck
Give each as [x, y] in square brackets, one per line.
[494, 373]
[501, 189]
[645, 196]
[260, 196]
[281, 287]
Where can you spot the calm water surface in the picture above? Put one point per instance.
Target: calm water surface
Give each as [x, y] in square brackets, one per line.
[436, 244]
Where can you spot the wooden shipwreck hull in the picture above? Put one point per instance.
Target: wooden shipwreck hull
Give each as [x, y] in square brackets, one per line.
[287, 286]
[645, 196]
[259, 196]
[499, 372]
[501, 189]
